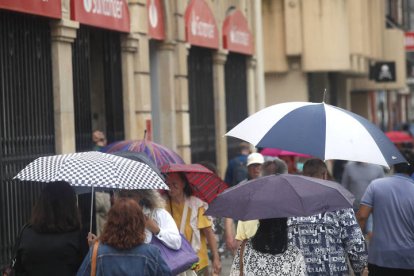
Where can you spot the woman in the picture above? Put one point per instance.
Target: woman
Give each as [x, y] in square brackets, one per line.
[158, 221]
[268, 252]
[121, 249]
[194, 225]
[51, 244]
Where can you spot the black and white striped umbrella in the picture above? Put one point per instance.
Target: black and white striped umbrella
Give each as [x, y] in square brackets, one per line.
[93, 169]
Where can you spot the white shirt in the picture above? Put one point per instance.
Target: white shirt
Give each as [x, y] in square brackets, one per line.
[169, 234]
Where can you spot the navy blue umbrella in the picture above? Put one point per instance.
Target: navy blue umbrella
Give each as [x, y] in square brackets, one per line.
[281, 195]
[320, 130]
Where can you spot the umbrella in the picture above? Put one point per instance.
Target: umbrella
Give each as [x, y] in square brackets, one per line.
[92, 169]
[281, 195]
[279, 152]
[320, 130]
[399, 137]
[205, 184]
[158, 154]
[140, 157]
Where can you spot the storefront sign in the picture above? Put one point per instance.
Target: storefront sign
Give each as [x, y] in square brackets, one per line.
[200, 25]
[155, 19]
[107, 14]
[409, 41]
[48, 8]
[236, 34]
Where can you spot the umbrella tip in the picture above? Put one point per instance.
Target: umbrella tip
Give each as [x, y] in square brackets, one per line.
[324, 95]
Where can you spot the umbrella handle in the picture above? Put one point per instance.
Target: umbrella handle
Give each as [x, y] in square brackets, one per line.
[90, 222]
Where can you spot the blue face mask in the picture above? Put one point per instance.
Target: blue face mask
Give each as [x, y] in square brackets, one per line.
[299, 166]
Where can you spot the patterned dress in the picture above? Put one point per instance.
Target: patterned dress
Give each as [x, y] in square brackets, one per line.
[328, 240]
[255, 263]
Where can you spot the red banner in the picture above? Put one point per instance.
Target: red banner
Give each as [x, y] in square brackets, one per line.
[47, 8]
[200, 25]
[409, 41]
[155, 19]
[236, 34]
[106, 14]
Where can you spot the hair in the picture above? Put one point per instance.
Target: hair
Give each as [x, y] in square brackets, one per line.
[405, 168]
[150, 199]
[271, 236]
[274, 166]
[243, 146]
[125, 226]
[315, 168]
[187, 189]
[56, 210]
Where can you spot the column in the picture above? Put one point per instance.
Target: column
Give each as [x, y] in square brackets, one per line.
[129, 47]
[252, 93]
[63, 34]
[219, 59]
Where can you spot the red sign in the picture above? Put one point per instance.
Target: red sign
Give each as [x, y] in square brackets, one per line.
[48, 8]
[155, 19]
[236, 34]
[409, 41]
[200, 25]
[107, 14]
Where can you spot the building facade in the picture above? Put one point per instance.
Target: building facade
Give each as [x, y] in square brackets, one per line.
[340, 46]
[184, 71]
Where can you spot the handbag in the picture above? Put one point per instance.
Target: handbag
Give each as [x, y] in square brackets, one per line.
[177, 260]
[9, 269]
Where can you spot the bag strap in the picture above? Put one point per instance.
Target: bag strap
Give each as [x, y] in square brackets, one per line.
[16, 246]
[243, 245]
[94, 254]
[184, 217]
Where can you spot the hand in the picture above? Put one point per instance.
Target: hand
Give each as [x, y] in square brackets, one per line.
[91, 238]
[216, 265]
[231, 244]
[151, 225]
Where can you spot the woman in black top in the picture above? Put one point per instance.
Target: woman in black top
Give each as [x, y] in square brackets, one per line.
[51, 244]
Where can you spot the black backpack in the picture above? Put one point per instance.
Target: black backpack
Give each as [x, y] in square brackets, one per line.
[239, 172]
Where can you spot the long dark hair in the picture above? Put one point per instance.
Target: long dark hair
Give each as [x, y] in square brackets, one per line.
[271, 236]
[56, 210]
[187, 189]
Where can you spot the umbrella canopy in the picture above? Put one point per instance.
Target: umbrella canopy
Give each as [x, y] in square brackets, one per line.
[92, 169]
[281, 195]
[140, 157]
[157, 153]
[399, 137]
[205, 184]
[279, 152]
[320, 130]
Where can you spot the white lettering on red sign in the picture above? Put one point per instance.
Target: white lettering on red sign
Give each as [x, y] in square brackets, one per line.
[111, 8]
[239, 37]
[153, 15]
[409, 41]
[200, 28]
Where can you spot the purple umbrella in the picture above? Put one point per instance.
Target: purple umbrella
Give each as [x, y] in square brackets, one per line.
[277, 196]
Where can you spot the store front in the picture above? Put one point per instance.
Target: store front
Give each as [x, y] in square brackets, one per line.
[27, 117]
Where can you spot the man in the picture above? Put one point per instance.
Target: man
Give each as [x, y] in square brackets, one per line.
[237, 169]
[246, 229]
[327, 240]
[391, 201]
[356, 178]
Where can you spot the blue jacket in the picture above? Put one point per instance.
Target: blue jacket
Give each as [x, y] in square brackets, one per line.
[144, 260]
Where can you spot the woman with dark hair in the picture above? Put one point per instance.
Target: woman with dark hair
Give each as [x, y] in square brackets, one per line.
[268, 252]
[121, 249]
[188, 213]
[51, 244]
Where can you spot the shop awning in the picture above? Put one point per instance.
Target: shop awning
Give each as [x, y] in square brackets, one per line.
[155, 19]
[236, 34]
[52, 9]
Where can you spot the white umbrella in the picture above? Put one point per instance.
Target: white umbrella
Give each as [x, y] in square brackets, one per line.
[320, 130]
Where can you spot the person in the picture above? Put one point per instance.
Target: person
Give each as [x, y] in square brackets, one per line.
[102, 206]
[158, 221]
[391, 202]
[236, 170]
[268, 252]
[99, 140]
[356, 178]
[247, 229]
[274, 165]
[52, 243]
[327, 240]
[196, 227]
[121, 249]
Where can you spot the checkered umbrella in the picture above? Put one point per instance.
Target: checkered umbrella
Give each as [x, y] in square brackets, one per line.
[205, 184]
[93, 169]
